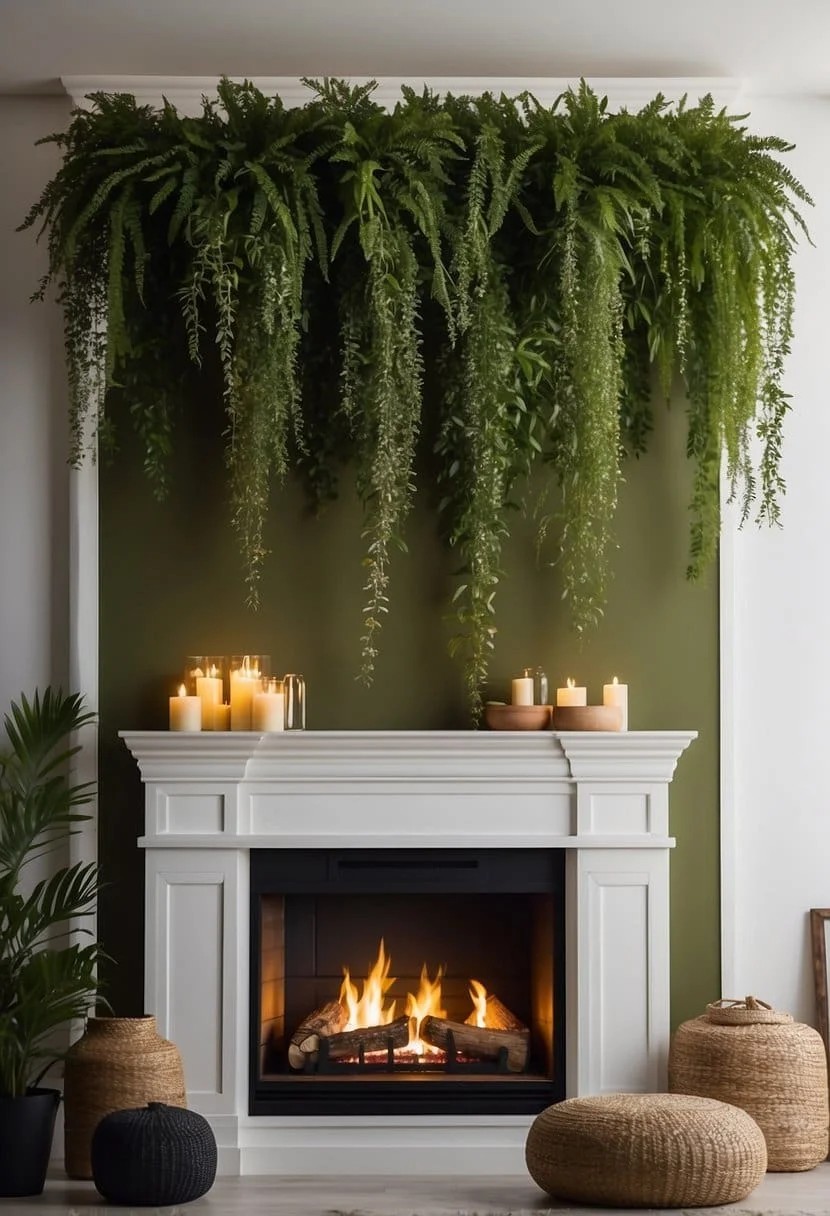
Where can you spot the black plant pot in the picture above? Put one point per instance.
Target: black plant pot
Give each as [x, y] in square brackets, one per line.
[27, 1125]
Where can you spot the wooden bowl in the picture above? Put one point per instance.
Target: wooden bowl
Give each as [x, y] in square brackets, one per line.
[587, 717]
[517, 717]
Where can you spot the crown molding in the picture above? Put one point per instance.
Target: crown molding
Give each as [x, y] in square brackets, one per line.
[631, 92]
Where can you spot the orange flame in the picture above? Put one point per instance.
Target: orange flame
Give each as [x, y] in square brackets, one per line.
[478, 995]
[427, 1001]
[370, 1009]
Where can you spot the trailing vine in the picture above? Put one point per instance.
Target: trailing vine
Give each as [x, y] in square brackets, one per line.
[562, 251]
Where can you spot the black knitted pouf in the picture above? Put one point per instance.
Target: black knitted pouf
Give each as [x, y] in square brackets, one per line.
[153, 1157]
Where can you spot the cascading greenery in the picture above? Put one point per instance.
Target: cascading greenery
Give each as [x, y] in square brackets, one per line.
[538, 260]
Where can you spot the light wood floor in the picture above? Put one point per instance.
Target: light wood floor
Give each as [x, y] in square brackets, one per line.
[802, 1194]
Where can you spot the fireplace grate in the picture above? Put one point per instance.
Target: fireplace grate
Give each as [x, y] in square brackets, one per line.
[453, 1062]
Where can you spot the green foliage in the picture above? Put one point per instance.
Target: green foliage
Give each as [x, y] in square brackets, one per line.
[47, 977]
[561, 252]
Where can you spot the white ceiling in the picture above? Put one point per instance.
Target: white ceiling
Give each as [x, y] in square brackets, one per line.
[787, 41]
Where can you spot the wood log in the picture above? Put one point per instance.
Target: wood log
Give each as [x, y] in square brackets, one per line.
[497, 1017]
[371, 1038]
[305, 1041]
[478, 1043]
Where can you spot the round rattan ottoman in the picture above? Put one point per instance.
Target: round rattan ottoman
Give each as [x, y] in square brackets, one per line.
[646, 1151]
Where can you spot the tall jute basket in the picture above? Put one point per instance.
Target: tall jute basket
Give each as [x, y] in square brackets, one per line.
[119, 1064]
[774, 1068]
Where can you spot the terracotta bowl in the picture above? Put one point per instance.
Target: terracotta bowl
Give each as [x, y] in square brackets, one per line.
[587, 717]
[517, 717]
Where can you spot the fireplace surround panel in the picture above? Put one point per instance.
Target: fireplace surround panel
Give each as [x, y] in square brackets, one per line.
[217, 802]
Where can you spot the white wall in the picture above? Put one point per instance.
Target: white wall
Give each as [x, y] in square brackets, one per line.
[34, 630]
[781, 643]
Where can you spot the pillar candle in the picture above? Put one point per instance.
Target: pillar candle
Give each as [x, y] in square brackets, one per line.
[268, 711]
[185, 712]
[244, 683]
[523, 691]
[209, 689]
[571, 695]
[617, 694]
[221, 717]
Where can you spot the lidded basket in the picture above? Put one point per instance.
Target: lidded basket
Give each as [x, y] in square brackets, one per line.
[118, 1063]
[774, 1068]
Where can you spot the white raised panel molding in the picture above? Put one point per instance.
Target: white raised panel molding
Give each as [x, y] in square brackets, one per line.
[196, 965]
[211, 798]
[618, 1015]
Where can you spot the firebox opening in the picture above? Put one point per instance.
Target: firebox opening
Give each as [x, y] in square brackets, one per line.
[392, 981]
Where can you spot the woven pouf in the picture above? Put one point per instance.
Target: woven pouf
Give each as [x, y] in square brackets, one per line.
[646, 1151]
[119, 1063]
[154, 1157]
[758, 1058]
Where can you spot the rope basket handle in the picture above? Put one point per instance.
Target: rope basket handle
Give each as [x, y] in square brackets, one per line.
[751, 1011]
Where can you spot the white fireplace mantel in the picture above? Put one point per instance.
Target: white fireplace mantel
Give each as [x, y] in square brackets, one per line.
[211, 798]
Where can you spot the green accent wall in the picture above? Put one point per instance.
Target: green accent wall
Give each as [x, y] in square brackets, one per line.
[170, 585]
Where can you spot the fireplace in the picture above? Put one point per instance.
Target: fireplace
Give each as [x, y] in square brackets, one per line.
[454, 994]
[536, 863]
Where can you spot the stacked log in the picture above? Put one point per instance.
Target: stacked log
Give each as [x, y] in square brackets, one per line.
[370, 1038]
[305, 1041]
[479, 1042]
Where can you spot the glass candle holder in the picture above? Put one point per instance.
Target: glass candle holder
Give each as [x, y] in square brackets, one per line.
[294, 687]
[268, 709]
[246, 672]
[204, 677]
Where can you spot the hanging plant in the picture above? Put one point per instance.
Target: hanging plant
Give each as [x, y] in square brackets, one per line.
[562, 251]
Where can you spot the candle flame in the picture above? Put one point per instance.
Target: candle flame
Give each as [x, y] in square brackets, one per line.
[214, 671]
[615, 680]
[182, 690]
[571, 683]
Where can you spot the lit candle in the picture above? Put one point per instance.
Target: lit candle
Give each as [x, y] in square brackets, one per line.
[209, 689]
[617, 694]
[185, 711]
[221, 717]
[245, 681]
[268, 711]
[571, 695]
[523, 691]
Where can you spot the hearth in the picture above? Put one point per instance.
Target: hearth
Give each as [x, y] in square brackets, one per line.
[403, 981]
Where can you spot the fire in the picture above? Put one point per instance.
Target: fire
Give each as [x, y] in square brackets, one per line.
[478, 995]
[371, 1008]
[426, 1002]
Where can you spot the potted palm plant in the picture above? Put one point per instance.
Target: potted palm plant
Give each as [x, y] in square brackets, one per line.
[47, 972]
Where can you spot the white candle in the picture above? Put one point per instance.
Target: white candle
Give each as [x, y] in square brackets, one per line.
[245, 681]
[617, 694]
[268, 711]
[209, 689]
[523, 691]
[185, 712]
[571, 695]
[221, 717]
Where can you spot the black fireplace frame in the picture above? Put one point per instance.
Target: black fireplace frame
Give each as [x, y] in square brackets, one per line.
[405, 871]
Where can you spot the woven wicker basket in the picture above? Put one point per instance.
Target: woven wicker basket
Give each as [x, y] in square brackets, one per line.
[646, 1151]
[119, 1063]
[758, 1058]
